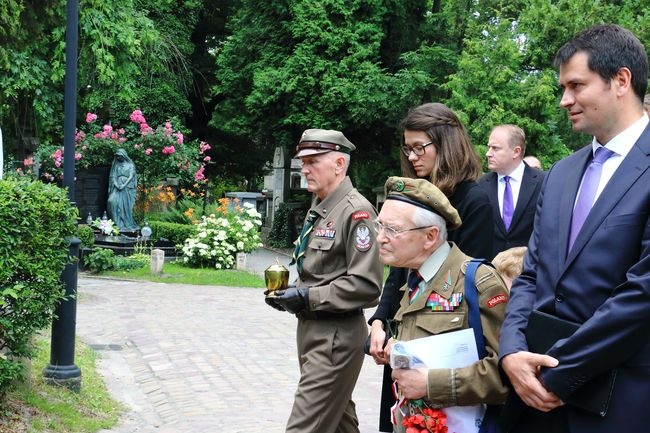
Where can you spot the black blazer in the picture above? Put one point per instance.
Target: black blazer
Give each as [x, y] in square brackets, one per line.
[522, 221]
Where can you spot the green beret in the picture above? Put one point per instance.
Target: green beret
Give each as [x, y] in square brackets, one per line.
[424, 194]
[315, 141]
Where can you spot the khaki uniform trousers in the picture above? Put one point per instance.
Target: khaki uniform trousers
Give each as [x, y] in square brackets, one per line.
[330, 353]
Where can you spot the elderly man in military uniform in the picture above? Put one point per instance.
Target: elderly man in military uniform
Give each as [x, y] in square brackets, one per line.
[337, 259]
[412, 231]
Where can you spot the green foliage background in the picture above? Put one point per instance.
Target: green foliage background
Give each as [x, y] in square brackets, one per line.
[248, 76]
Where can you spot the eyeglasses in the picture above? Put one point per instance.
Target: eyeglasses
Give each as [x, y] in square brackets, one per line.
[418, 149]
[391, 232]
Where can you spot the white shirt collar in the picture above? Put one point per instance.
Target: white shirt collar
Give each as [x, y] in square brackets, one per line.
[623, 142]
[432, 265]
[517, 174]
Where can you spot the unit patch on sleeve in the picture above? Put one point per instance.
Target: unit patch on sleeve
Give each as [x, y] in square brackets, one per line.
[362, 214]
[496, 300]
[362, 238]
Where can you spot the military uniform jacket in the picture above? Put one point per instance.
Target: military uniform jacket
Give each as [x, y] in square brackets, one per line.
[341, 264]
[477, 383]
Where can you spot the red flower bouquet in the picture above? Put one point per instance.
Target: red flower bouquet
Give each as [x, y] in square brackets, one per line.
[423, 419]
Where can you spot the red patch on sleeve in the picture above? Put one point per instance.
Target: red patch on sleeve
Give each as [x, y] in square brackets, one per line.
[496, 300]
[362, 214]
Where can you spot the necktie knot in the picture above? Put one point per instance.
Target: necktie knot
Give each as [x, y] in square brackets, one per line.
[602, 154]
[311, 216]
[413, 284]
[301, 244]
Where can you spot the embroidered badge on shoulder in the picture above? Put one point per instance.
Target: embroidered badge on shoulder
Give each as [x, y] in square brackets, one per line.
[362, 214]
[362, 238]
[496, 300]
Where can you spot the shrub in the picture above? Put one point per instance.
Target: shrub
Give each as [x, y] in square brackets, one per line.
[86, 235]
[37, 222]
[158, 153]
[100, 260]
[280, 234]
[220, 236]
[173, 232]
[134, 261]
[184, 211]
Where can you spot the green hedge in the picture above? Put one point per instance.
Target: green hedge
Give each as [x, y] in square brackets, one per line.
[174, 232]
[35, 222]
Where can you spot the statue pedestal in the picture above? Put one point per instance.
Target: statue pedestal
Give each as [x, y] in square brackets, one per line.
[124, 244]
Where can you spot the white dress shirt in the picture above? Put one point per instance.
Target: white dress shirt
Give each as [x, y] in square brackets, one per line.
[621, 146]
[516, 177]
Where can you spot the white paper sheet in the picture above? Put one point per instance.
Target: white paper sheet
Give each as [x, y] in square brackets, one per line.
[449, 350]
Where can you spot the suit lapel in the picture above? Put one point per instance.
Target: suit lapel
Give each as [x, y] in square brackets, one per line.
[493, 195]
[528, 184]
[632, 167]
[572, 183]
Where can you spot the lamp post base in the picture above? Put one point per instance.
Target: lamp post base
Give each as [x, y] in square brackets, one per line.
[67, 376]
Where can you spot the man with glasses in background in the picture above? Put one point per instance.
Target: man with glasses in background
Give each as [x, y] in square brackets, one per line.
[412, 233]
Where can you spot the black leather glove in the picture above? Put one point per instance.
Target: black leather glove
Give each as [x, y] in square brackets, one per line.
[270, 300]
[293, 299]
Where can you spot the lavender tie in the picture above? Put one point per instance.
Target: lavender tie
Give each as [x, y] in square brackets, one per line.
[587, 194]
[508, 207]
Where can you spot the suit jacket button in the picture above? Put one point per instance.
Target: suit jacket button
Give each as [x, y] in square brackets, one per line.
[559, 298]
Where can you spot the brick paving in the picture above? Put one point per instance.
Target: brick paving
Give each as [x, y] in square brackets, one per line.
[199, 359]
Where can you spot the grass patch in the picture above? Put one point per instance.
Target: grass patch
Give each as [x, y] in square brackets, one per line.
[35, 407]
[177, 273]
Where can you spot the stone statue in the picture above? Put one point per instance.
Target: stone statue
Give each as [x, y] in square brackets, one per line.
[122, 183]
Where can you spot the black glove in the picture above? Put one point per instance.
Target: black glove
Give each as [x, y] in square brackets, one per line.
[293, 300]
[270, 300]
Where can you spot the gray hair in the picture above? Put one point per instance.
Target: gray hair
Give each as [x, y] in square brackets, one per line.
[424, 218]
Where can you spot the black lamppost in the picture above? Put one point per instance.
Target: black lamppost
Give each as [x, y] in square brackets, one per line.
[62, 369]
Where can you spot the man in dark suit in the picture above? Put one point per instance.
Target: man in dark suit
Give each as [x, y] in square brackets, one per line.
[593, 270]
[512, 186]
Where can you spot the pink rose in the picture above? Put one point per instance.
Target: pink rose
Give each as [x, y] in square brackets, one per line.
[179, 137]
[90, 117]
[137, 117]
[198, 176]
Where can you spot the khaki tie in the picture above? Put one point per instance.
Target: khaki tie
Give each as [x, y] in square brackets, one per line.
[301, 245]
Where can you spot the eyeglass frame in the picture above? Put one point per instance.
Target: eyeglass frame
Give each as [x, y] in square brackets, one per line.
[391, 232]
[406, 149]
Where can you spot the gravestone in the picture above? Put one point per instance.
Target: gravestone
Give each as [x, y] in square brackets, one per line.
[157, 261]
[241, 261]
[91, 191]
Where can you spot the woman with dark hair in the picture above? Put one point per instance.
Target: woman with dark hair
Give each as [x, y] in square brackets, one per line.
[122, 182]
[435, 146]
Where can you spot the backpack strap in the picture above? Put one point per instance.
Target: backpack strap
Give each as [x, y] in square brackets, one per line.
[471, 296]
[490, 422]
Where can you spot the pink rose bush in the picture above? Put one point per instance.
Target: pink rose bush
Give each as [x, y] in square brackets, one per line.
[158, 153]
